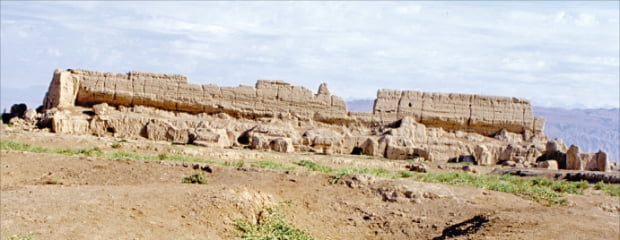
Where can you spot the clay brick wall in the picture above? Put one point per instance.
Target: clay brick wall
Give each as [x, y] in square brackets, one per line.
[174, 93]
[482, 114]
[485, 114]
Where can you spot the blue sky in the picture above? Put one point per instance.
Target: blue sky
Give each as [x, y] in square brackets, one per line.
[557, 54]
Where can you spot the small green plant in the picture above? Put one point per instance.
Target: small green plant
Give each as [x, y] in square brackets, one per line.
[271, 165]
[237, 164]
[28, 236]
[312, 166]
[610, 189]
[196, 178]
[405, 174]
[270, 225]
[116, 145]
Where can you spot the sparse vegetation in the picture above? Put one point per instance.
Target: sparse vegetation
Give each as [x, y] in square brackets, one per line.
[315, 167]
[125, 155]
[271, 225]
[16, 146]
[612, 190]
[178, 158]
[28, 236]
[196, 178]
[378, 172]
[10, 145]
[237, 164]
[349, 171]
[160, 157]
[405, 174]
[116, 145]
[97, 152]
[547, 192]
[272, 165]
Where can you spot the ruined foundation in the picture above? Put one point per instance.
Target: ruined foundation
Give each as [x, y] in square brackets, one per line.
[277, 116]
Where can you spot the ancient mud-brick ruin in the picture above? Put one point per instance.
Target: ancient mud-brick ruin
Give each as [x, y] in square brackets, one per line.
[276, 116]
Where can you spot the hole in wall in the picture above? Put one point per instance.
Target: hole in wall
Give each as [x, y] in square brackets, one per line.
[357, 151]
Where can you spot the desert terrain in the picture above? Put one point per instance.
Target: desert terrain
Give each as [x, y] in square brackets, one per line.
[90, 196]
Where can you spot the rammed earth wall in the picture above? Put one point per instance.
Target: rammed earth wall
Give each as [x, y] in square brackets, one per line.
[473, 113]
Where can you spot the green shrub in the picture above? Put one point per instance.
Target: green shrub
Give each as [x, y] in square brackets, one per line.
[610, 189]
[196, 178]
[405, 174]
[28, 236]
[239, 163]
[270, 226]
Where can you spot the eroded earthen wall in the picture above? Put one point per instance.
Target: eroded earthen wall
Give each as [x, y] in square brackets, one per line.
[485, 114]
[473, 113]
[172, 92]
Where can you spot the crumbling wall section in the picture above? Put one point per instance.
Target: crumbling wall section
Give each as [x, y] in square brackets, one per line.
[62, 90]
[174, 93]
[483, 114]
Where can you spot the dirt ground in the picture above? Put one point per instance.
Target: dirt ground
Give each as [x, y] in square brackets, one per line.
[56, 196]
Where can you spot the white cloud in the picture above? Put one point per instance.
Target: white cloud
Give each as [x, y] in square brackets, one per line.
[528, 16]
[560, 17]
[408, 10]
[586, 20]
[494, 49]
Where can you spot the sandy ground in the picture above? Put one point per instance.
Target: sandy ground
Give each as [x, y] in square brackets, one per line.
[55, 196]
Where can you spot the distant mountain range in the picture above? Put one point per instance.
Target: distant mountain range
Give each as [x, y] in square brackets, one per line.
[590, 129]
[31, 96]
